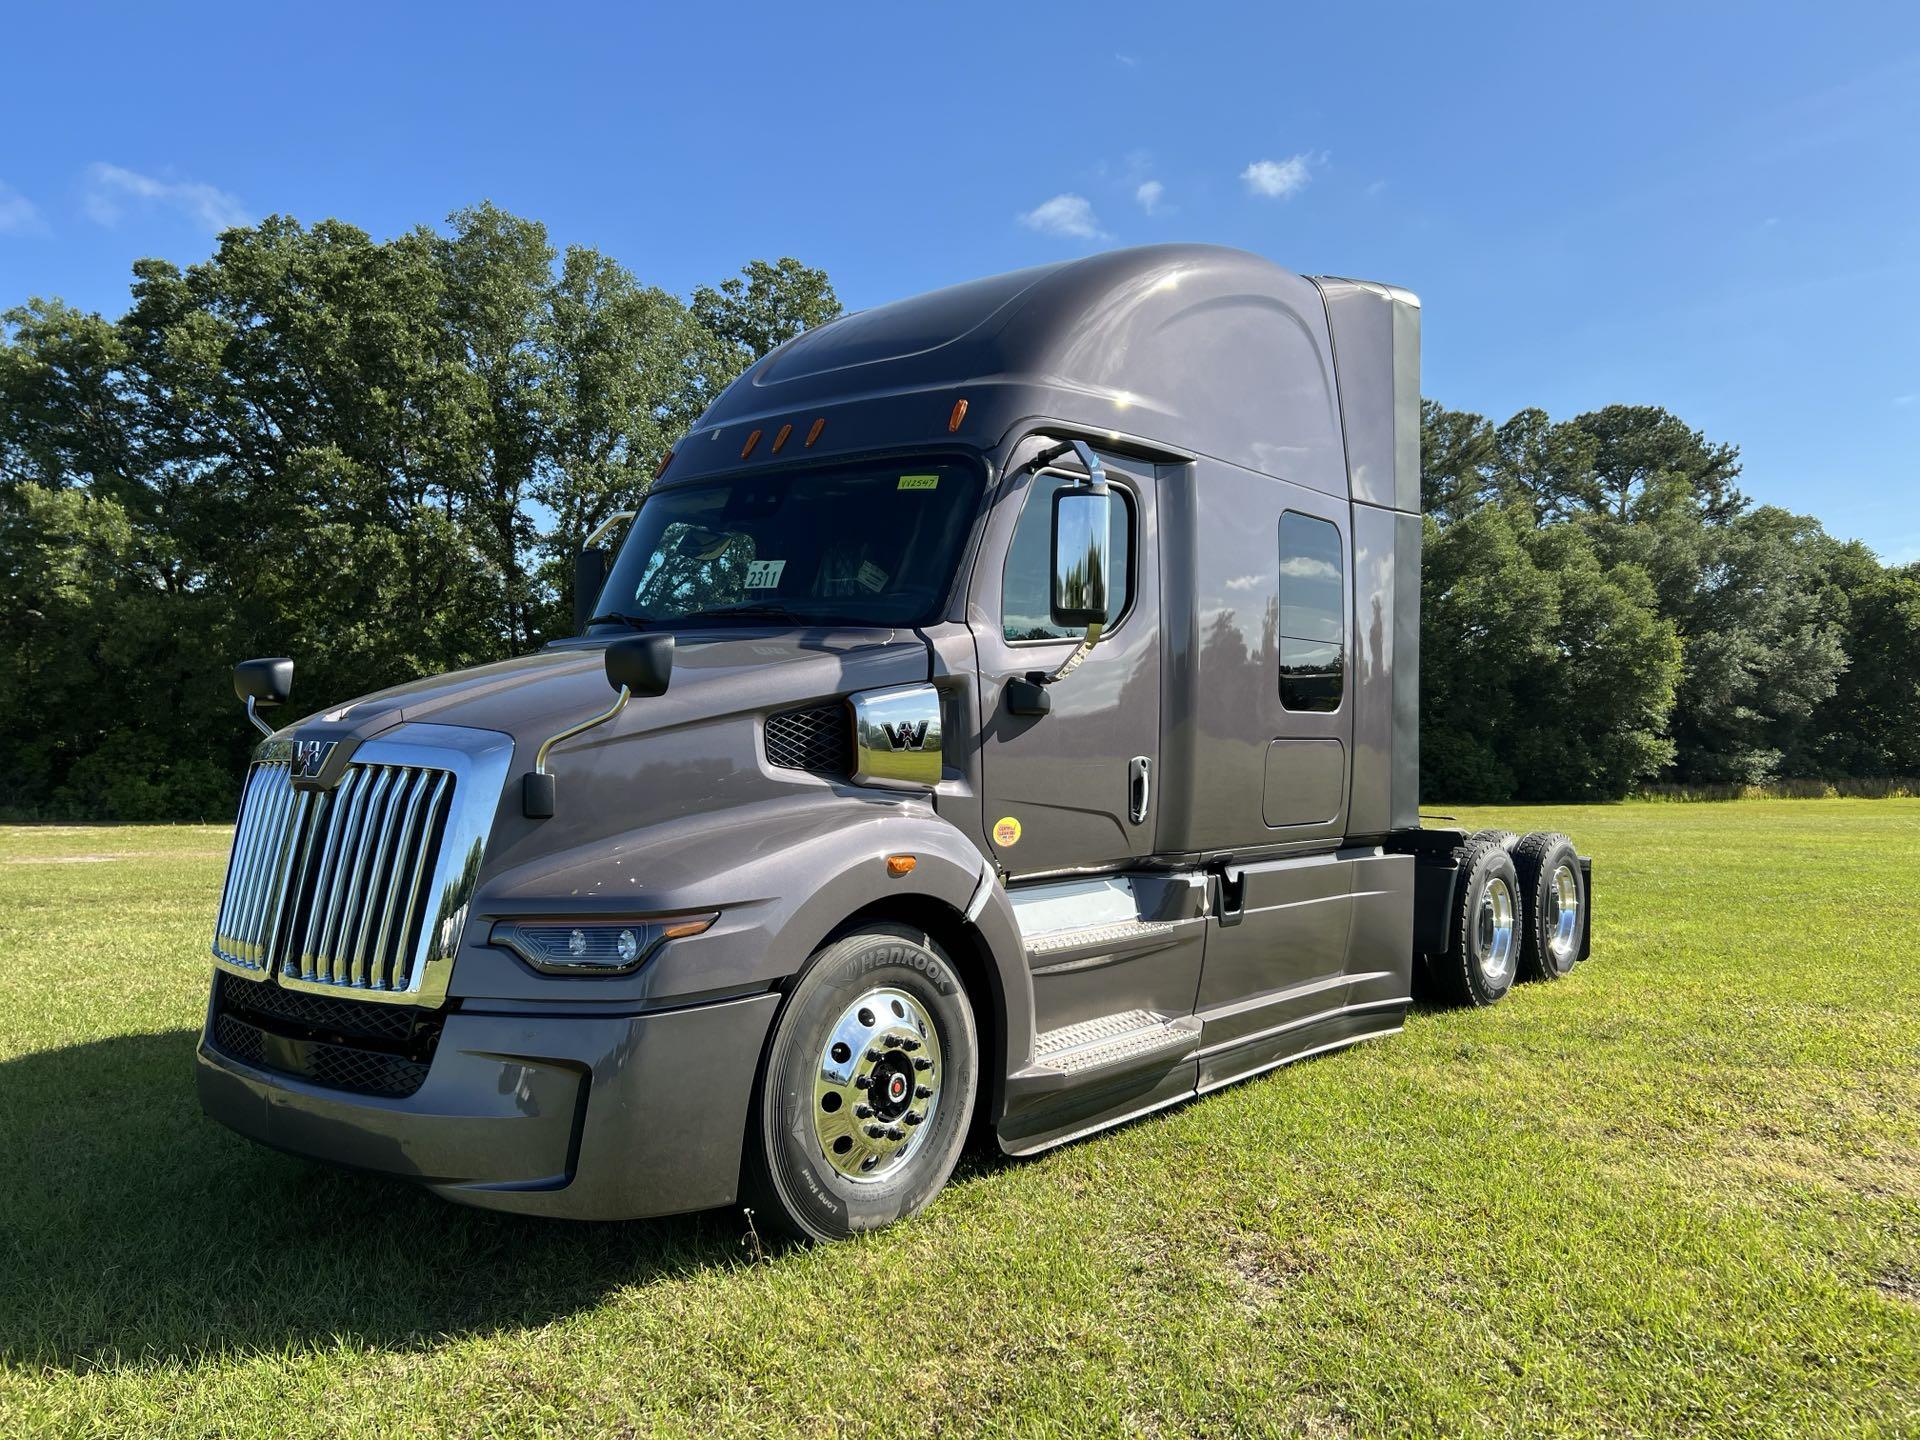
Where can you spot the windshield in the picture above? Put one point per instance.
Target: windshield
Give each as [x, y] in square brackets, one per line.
[861, 544]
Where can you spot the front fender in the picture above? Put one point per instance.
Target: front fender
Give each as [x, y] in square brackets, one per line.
[782, 876]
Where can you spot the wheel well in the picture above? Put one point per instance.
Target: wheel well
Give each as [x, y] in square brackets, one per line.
[968, 950]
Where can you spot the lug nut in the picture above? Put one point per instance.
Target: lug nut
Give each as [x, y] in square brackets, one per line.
[913, 1117]
[869, 1162]
[909, 1044]
[862, 1111]
[894, 1132]
[893, 1042]
[923, 1092]
[877, 1132]
[876, 1054]
[920, 1062]
[861, 1082]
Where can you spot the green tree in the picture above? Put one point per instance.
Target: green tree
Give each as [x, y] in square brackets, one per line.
[1545, 674]
[371, 455]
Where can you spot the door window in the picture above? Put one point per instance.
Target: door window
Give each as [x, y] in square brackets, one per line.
[1313, 613]
[1025, 590]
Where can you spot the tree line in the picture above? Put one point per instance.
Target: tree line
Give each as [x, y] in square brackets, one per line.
[379, 456]
[1602, 608]
[375, 456]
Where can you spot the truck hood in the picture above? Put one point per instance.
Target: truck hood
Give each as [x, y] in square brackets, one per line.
[716, 673]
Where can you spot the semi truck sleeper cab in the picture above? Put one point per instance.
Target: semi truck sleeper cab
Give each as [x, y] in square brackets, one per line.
[1000, 717]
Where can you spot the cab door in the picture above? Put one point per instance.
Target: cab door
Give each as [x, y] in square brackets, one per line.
[1074, 788]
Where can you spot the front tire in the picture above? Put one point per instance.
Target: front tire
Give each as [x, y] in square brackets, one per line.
[867, 1089]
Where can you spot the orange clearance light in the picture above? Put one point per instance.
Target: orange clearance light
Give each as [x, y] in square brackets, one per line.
[661, 468]
[901, 864]
[959, 414]
[752, 440]
[781, 438]
[814, 433]
[680, 929]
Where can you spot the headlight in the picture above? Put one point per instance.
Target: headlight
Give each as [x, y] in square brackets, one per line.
[592, 947]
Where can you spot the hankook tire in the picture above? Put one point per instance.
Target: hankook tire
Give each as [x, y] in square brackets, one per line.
[867, 1087]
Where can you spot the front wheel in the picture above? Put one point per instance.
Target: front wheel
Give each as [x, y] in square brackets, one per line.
[867, 1091]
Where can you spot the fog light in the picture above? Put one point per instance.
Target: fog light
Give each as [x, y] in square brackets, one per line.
[577, 943]
[628, 946]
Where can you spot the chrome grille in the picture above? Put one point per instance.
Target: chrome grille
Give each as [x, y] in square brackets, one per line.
[817, 739]
[334, 889]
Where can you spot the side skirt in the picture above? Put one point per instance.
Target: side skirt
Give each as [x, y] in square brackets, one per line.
[1206, 1072]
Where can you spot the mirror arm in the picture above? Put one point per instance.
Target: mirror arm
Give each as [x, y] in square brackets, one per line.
[262, 726]
[1072, 662]
[1096, 472]
[546, 746]
[605, 525]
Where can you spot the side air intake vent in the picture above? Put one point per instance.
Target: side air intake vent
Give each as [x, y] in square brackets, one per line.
[817, 739]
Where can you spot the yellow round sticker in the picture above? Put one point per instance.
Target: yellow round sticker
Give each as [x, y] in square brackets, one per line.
[1006, 831]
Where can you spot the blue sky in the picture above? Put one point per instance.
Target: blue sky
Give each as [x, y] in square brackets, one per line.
[1715, 208]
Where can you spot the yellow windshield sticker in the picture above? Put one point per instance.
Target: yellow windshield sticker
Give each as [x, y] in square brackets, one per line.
[1006, 831]
[919, 482]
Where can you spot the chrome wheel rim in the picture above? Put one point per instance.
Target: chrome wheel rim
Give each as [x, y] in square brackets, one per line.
[1495, 931]
[877, 1086]
[1566, 921]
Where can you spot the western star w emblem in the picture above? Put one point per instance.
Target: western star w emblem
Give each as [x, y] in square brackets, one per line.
[310, 757]
[907, 734]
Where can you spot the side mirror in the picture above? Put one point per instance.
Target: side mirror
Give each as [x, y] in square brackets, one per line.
[263, 682]
[1082, 517]
[642, 665]
[589, 579]
[590, 569]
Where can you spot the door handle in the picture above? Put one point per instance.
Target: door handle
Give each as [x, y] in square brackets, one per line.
[1139, 787]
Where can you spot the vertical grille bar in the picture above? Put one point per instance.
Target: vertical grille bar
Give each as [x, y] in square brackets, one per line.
[334, 889]
[263, 836]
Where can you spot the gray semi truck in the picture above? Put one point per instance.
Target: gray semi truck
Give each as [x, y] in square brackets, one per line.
[1000, 719]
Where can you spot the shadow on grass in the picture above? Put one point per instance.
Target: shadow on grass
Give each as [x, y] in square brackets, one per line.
[133, 1229]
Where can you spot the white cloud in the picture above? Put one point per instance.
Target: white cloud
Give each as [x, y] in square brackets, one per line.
[110, 189]
[1278, 179]
[1377, 187]
[18, 214]
[1065, 215]
[1907, 402]
[1149, 195]
[1128, 60]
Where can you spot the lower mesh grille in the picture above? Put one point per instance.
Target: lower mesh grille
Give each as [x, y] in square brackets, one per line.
[366, 1048]
[817, 739]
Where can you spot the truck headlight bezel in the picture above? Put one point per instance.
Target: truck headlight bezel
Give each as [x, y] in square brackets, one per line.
[582, 945]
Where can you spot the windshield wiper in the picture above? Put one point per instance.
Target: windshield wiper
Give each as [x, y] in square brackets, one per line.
[632, 622]
[758, 610]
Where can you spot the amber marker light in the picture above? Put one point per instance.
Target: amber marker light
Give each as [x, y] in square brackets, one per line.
[681, 929]
[959, 414]
[781, 438]
[898, 865]
[752, 440]
[814, 433]
[661, 468]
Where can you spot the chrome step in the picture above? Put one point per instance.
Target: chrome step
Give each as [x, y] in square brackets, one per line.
[1115, 934]
[1133, 1036]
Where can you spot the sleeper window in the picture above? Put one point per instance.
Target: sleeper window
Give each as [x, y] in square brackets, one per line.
[1313, 613]
[1025, 608]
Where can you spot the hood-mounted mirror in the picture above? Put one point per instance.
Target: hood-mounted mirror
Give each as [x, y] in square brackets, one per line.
[637, 665]
[263, 683]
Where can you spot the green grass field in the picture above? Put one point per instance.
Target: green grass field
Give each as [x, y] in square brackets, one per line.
[1675, 1194]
